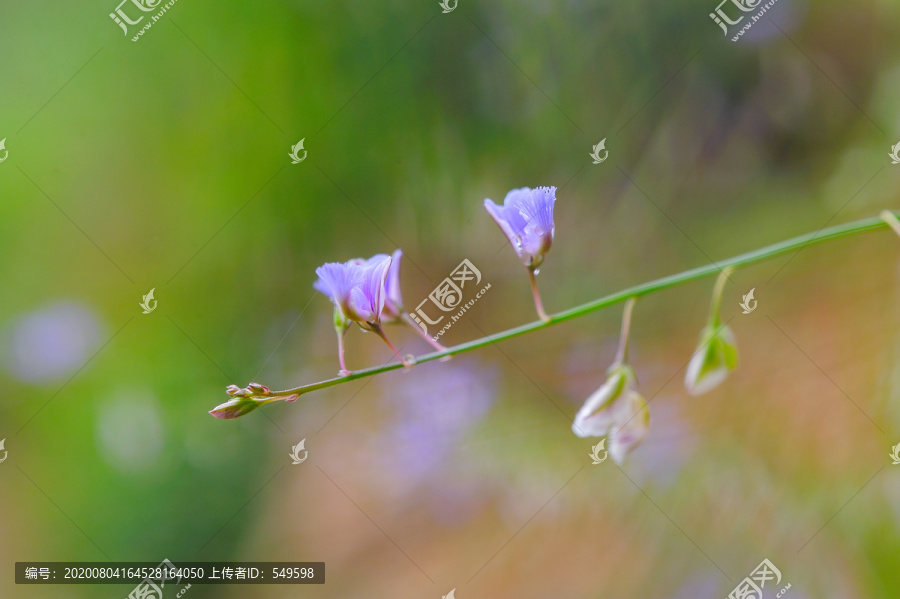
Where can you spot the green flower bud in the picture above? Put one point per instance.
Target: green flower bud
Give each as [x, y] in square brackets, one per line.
[715, 358]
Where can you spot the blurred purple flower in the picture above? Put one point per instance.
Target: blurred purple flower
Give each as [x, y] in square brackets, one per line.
[435, 409]
[526, 218]
[50, 342]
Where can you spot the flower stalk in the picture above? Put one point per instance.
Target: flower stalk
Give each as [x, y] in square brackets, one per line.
[694, 274]
[538, 304]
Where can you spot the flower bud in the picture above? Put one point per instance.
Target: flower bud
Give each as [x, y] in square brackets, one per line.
[615, 410]
[235, 408]
[630, 433]
[258, 389]
[715, 358]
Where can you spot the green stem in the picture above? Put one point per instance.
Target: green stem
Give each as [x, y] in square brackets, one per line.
[622, 353]
[777, 249]
[715, 306]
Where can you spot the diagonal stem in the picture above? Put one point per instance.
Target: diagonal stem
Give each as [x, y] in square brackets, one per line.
[777, 249]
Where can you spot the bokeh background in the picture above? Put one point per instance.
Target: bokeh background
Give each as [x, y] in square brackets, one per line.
[163, 164]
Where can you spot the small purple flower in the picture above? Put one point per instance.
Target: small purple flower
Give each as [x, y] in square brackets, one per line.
[526, 218]
[356, 287]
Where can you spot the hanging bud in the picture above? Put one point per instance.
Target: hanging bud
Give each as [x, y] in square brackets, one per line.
[616, 410]
[716, 355]
[713, 361]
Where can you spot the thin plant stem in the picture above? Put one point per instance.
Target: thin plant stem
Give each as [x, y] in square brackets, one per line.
[377, 330]
[622, 353]
[538, 304]
[891, 219]
[715, 305]
[777, 249]
[340, 335]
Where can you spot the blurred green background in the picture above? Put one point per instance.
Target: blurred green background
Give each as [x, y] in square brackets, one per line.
[163, 164]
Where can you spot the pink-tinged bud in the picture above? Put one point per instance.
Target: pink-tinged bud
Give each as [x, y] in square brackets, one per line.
[258, 389]
[232, 390]
[235, 408]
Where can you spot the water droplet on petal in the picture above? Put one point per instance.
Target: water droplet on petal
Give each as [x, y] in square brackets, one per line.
[518, 242]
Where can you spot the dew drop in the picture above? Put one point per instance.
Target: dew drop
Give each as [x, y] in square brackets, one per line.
[537, 271]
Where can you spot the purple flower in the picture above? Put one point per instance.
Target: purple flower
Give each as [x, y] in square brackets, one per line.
[356, 287]
[393, 299]
[526, 218]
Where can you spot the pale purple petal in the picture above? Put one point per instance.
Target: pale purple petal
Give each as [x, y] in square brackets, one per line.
[337, 280]
[393, 303]
[367, 299]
